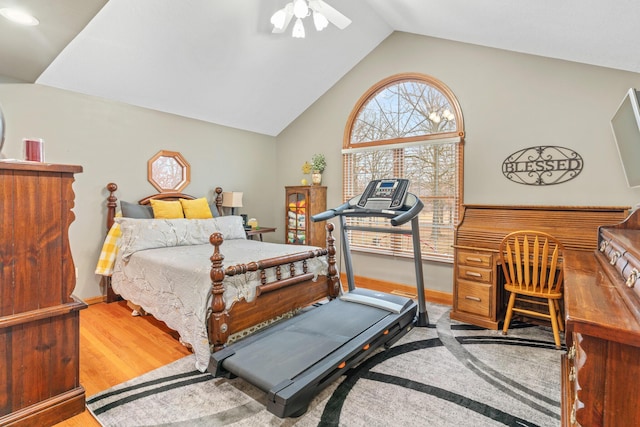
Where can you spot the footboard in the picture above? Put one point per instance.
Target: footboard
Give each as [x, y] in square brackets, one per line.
[273, 298]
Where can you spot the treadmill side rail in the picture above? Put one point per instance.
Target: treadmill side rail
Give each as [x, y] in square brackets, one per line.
[216, 362]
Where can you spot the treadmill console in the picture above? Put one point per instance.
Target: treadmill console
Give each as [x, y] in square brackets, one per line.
[383, 194]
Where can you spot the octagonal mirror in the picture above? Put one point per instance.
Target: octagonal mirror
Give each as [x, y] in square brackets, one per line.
[168, 171]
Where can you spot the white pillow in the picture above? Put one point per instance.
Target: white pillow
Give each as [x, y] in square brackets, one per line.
[140, 234]
[231, 227]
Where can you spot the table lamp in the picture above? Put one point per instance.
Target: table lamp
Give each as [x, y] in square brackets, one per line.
[232, 199]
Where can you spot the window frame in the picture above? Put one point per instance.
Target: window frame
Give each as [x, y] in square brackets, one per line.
[454, 136]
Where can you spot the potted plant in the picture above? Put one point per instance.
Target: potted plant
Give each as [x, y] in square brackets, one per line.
[318, 163]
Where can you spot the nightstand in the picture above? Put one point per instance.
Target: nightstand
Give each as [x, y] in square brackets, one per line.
[259, 231]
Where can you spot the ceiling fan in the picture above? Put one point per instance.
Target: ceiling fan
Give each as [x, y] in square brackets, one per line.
[322, 14]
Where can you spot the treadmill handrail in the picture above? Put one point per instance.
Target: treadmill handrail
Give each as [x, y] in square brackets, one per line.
[348, 209]
[330, 213]
[407, 216]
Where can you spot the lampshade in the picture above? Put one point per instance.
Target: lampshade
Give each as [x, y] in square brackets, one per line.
[300, 8]
[232, 199]
[298, 29]
[320, 21]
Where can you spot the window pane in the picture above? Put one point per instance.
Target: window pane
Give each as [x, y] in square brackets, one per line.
[432, 172]
[407, 108]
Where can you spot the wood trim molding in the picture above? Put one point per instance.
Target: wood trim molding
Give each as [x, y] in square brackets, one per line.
[437, 297]
[95, 300]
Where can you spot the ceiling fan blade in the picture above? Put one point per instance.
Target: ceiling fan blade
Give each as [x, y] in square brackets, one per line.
[332, 15]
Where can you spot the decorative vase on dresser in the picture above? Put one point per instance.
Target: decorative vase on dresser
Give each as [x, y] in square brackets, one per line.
[39, 318]
[302, 202]
[316, 177]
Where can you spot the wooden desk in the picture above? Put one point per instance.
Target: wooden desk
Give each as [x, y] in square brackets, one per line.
[478, 294]
[259, 231]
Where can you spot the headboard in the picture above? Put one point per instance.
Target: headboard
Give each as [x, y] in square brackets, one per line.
[112, 200]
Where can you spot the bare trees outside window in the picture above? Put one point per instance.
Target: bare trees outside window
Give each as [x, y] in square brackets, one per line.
[408, 126]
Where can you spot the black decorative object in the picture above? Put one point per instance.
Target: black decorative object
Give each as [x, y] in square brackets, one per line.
[542, 165]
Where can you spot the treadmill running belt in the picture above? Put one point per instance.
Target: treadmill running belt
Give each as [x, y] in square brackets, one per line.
[299, 345]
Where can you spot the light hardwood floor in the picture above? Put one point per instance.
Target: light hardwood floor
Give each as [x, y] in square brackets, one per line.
[114, 347]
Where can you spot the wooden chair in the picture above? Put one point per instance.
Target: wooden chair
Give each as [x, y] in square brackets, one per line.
[532, 265]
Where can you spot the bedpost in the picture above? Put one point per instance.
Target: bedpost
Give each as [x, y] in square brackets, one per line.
[105, 281]
[218, 320]
[111, 204]
[334, 278]
[218, 199]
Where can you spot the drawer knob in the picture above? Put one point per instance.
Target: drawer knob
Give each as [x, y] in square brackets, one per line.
[474, 259]
[632, 279]
[571, 354]
[473, 273]
[472, 298]
[614, 257]
[603, 245]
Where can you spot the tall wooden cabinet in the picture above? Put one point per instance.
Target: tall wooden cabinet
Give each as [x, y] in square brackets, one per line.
[302, 202]
[39, 319]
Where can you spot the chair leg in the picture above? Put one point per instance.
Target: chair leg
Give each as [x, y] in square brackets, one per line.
[560, 315]
[507, 318]
[554, 322]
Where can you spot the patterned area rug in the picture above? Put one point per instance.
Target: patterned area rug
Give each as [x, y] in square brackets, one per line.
[449, 374]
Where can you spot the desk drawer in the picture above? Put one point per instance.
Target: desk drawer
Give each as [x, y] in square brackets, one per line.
[477, 274]
[477, 259]
[474, 298]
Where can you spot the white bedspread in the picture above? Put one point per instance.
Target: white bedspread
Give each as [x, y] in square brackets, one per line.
[173, 283]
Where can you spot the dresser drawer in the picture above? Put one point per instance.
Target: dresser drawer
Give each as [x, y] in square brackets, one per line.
[477, 259]
[475, 274]
[474, 298]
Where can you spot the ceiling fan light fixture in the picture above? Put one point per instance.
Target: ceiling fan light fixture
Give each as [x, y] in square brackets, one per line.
[320, 21]
[300, 9]
[323, 15]
[298, 29]
[19, 16]
[278, 19]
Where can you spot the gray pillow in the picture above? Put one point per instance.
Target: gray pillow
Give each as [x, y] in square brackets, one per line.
[134, 210]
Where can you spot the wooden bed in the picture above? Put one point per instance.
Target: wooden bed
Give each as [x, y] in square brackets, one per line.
[273, 298]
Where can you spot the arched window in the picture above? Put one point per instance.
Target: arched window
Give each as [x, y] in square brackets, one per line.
[407, 126]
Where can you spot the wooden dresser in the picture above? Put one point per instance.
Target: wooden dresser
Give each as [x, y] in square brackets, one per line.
[478, 295]
[39, 319]
[601, 370]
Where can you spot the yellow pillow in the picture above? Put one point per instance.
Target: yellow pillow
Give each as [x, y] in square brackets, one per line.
[166, 210]
[196, 209]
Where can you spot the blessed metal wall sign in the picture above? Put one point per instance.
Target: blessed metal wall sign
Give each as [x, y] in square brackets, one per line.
[542, 165]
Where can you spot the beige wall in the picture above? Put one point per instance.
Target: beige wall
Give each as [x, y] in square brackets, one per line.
[510, 101]
[113, 142]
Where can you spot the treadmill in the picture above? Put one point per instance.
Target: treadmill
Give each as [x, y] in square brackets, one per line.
[296, 358]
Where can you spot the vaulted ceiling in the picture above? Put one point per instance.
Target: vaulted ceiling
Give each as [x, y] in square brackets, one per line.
[218, 61]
